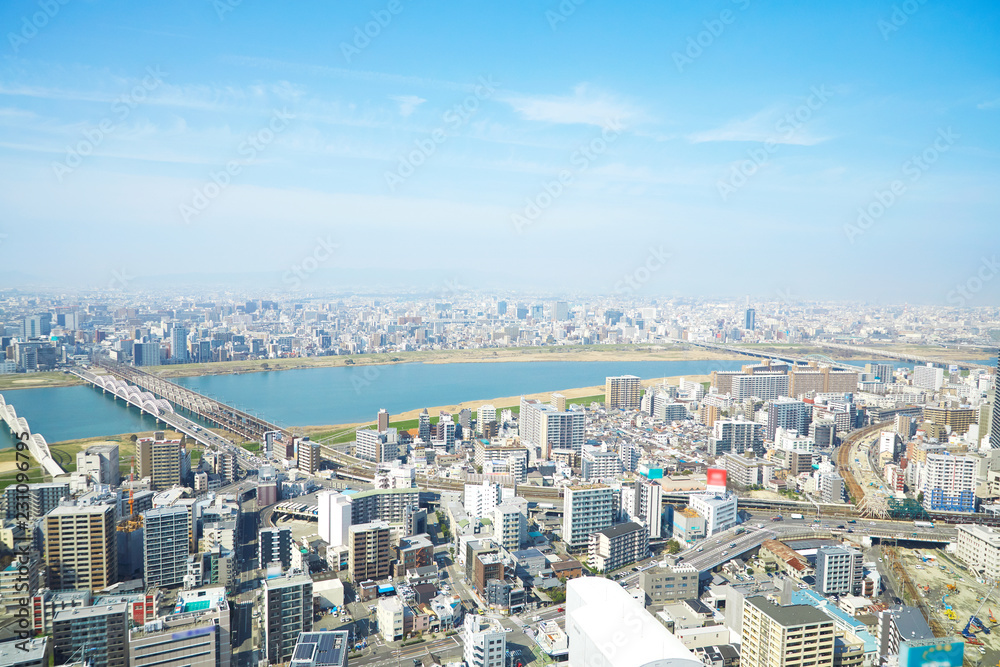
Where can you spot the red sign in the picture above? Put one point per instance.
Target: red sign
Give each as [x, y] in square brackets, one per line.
[716, 477]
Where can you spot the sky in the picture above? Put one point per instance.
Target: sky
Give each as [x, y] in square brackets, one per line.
[821, 150]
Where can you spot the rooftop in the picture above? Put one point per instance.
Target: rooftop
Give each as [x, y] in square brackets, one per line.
[620, 529]
[789, 615]
[321, 648]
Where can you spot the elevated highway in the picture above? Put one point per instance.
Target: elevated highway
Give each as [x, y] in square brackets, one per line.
[902, 356]
[763, 354]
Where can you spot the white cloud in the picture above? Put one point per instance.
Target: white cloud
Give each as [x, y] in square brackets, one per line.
[772, 124]
[407, 103]
[989, 104]
[582, 107]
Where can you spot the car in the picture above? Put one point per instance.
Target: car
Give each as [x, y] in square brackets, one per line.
[701, 548]
[880, 559]
[561, 609]
[725, 553]
[732, 545]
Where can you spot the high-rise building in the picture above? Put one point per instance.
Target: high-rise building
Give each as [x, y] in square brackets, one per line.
[623, 392]
[607, 627]
[334, 514]
[789, 414]
[957, 420]
[587, 508]
[995, 416]
[949, 483]
[880, 372]
[382, 421]
[480, 499]
[928, 377]
[377, 446]
[81, 547]
[736, 437]
[368, 551]
[783, 636]
[510, 523]
[485, 642]
[762, 386]
[838, 571]
[42, 499]
[160, 461]
[288, 611]
[542, 426]
[146, 353]
[649, 507]
[424, 426]
[618, 546]
[600, 465]
[328, 648]
[750, 319]
[486, 414]
[307, 456]
[275, 545]
[98, 635]
[100, 463]
[178, 344]
[718, 510]
[165, 540]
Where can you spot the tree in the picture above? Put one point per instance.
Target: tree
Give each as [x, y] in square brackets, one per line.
[920, 497]
[264, 366]
[133, 438]
[673, 546]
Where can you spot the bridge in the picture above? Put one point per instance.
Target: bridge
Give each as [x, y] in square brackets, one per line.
[208, 409]
[902, 356]
[162, 410]
[37, 446]
[763, 354]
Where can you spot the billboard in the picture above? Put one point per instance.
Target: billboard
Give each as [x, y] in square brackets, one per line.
[933, 652]
[716, 479]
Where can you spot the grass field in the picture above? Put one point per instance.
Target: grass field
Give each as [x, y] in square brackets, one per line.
[10, 381]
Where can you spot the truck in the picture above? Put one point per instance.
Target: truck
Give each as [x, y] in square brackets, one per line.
[795, 516]
[923, 524]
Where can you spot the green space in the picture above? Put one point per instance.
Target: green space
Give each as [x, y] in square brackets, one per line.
[583, 400]
[31, 380]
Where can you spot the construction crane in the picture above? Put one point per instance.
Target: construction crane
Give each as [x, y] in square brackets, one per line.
[974, 619]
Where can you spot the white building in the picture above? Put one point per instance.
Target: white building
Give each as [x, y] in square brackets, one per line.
[949, 483]
[979, 547]
[648, 507]
[334, 515]
[391, 616]
[542, 426]
[377, 446]
[587, 508]
[485, 642]
[838, 571]
[763, 386]
[718, 510]
[510, 523]
[928, 377]
[486, 413]
[480, 499]
[607, 627]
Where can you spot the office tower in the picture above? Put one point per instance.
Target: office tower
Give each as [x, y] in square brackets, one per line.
[789, 414]
[146, 354]
[617, 546]
[424, 426]
[501, 308]
[649, 507]
[587, 508]
[275, 545]
[334, 514]
[288, 611]
[542, 426]
[81, 547]
[485, 642]
[560, 311]
[781, 636]
[368, 551]
[510, 523]
[100, 463]
[928, 377]
[607, 627]
[178, 344]
[160, 461]
[737, 437]
[949, 483]
[328, 648]
[198, 634]
[623, 392]
[382, 421]
[379, 447]
[838, 571]
[307, 457]
[165, 541]
[750, 319]
[98, 635]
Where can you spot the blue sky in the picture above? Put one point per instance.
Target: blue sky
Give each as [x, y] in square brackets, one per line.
[529, 145]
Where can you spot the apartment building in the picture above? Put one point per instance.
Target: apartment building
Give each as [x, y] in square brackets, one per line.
[618, 546]
[949, 483]
[623, 392]
[540, 426]
[81, 547]
[99, 633]
[762, 386]
[162, 461]
[785, 636]
[198, 635]
[838, 571]
[165, 540]
[485, 642]
[368, 551]
[979, 547]
[736, 437]
[587, 508]
[288, 611]
[663, 585]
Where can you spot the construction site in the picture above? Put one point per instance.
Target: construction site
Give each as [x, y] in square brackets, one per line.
[951, 599]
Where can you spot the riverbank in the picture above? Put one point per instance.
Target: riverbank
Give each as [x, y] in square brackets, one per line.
[402, 420]
[11, 381]
[507, 354]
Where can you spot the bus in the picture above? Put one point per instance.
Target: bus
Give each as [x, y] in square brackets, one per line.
[923, 524]
[795, 516]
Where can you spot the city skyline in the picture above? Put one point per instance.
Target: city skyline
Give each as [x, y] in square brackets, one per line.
[234, 144]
